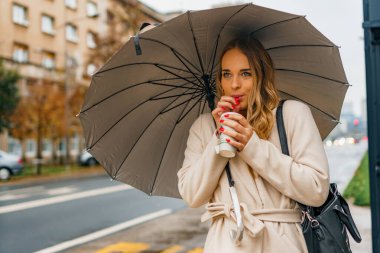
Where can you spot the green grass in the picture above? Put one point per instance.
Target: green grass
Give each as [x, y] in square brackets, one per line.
[30, 171]
[358, 188]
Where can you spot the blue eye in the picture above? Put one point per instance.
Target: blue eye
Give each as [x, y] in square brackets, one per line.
[226, 74]
[246, 73]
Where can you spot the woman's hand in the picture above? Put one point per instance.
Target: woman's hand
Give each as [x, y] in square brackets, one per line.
[225, 104]
[242, 130]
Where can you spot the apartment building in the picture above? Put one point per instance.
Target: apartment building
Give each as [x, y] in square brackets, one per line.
[53, 40]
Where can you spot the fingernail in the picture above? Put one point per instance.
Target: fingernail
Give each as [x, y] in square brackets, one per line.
[237, 99]
[223, 108]
[228, 140]
[221, 121]
[226, 115]
[233, 107]
[221, 129]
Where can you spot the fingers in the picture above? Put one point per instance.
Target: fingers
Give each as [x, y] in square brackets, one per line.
[239, 118]
[239, 138]
[230, 103]
[238, 145]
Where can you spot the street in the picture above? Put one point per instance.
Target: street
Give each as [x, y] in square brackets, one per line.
[58, 216]
[88, 205]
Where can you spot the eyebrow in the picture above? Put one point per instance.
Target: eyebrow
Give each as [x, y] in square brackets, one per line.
[240, 70]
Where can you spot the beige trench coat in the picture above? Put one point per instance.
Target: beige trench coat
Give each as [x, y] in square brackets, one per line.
[267, 183]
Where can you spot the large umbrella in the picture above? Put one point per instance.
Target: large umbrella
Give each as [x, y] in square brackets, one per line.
[142, 102]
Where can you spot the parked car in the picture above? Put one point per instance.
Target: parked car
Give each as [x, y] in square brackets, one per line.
[9, 165]
[86, 159]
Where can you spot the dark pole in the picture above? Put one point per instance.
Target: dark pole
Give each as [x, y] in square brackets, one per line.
[371, 27]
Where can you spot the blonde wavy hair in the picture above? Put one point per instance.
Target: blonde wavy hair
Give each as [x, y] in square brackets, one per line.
[264, 96]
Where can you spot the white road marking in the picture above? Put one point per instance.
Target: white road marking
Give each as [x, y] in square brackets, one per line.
[105, 232]
[60, 199]
[23, 190]
[13, 197]
[62, 190]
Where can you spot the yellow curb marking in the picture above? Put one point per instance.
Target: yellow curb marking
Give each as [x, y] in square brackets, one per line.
[124, 247]
[196, 250]
[172, 249]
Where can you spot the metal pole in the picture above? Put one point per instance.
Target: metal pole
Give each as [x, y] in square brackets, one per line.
[371, 25]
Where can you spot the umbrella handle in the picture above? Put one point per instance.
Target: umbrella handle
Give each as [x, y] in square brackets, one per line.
[236, 235]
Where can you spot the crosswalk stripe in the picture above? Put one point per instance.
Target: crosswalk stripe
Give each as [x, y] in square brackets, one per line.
[124, 247]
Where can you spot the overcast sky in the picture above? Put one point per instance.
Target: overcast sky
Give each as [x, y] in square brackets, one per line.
[339, 20]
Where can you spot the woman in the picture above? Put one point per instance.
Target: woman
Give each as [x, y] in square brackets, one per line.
[267, 182]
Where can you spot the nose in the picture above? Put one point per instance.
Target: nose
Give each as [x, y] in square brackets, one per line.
[235, 82]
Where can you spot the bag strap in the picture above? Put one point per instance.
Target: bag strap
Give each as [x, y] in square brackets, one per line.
[347, 217]
[283, 138]
[281, 128]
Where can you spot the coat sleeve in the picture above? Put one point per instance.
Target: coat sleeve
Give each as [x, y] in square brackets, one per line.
[201, 169]
[303, 176]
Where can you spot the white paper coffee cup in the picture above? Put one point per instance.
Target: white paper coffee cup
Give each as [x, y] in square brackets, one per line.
[224, 148]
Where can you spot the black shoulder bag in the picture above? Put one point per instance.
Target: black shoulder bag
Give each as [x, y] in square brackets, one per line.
[324, 227]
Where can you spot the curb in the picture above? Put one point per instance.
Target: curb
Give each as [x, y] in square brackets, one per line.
[83, 173]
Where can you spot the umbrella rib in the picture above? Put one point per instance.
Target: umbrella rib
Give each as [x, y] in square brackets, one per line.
[285, 46]
[218, 37]
[142, 133]
[166, 146]
[167, 110]
[325, 113]
[174, 74]
[139, 63]
[187, 67]
[117, 122]
[192, 107]
[195, 42]
[173, 51]
[171, 85]
[196, 92]
[275, 23]
[311, 74]
[119, 91]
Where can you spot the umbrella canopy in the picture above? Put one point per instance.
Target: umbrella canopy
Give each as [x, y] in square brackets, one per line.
[142, 102]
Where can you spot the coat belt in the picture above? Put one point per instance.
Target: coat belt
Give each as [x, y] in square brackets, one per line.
[253, 220]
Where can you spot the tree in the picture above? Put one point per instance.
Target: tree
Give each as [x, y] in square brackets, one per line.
[39, 115]
[124, 21]
[9, 96]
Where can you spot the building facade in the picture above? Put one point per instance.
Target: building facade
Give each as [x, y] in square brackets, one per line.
[54, 41]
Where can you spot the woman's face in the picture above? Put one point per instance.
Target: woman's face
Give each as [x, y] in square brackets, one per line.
[237, 79]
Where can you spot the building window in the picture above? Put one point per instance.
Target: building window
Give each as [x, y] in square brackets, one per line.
[20, 15]
[30, 146]
[91, 38]
[48, 60]
[47, 24]
[20, 53]
[91, 9]
[71, 4]
[71, 33]
[91, 68]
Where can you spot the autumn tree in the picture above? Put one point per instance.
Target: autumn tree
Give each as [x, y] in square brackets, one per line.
[9, 97]
[123, 21]
[40, 115]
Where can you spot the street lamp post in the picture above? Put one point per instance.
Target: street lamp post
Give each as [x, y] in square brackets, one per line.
[371, 27]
